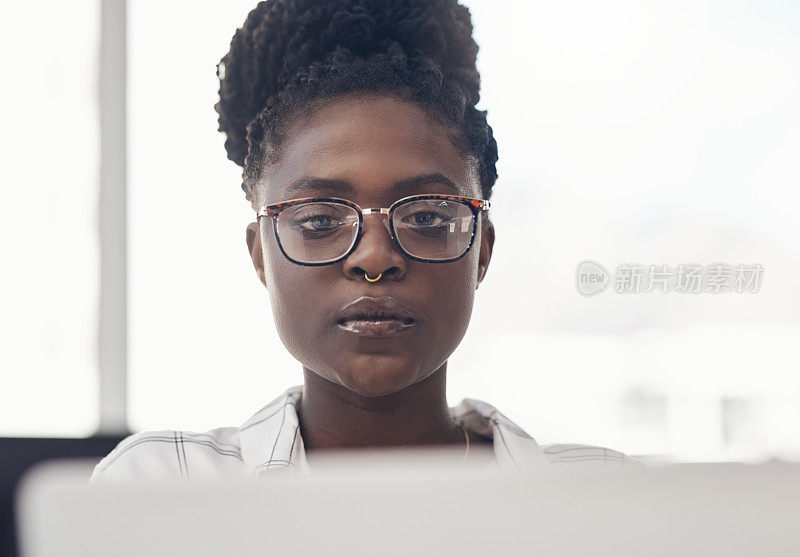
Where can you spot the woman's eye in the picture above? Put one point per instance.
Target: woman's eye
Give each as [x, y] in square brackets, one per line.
[318, 223]
[425, 219]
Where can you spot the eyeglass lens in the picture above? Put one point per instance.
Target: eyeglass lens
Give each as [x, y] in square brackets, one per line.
[322, 231]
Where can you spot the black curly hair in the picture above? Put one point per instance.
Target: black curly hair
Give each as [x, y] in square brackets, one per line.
[290, 57]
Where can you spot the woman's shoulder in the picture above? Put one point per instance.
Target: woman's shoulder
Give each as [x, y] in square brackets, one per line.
[592, 455]
[172, 454]
[483, 417]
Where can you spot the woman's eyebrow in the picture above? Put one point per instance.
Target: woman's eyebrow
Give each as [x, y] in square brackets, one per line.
[427, 180]
[321, 185]
[345, 187]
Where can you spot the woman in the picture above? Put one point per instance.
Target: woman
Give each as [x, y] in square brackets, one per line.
[370, 171]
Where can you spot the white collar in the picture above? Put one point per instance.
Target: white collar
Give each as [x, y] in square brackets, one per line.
[271, 440]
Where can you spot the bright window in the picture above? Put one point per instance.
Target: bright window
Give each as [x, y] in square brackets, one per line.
[48, 219]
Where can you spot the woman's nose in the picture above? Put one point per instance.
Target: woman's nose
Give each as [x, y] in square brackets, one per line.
[376, 251]
[373, 228]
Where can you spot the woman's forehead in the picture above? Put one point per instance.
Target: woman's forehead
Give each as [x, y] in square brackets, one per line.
[372, 144]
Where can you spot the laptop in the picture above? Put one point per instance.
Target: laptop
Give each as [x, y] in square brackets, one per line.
[356, 506]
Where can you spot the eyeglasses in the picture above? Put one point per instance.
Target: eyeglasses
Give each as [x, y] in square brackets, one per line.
[322, 230]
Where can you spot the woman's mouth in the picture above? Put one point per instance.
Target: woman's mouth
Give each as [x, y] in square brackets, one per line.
[376, 317]
[375, 326]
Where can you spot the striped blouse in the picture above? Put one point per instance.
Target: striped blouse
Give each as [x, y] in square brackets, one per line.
[270, 440]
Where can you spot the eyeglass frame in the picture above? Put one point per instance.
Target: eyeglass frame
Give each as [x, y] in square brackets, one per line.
[274, 210]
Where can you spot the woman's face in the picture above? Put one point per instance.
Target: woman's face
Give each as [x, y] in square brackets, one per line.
[371, 143]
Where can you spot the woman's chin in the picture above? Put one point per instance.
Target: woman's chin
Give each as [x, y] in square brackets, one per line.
[375, 382]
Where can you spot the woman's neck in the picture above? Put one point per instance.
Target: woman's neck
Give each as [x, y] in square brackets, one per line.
[334, 417]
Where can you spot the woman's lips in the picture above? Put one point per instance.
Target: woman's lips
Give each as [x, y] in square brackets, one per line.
[369, 316]
[375, 327]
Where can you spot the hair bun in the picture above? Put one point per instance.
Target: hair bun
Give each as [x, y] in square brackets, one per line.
[289, 53]
[281, 38]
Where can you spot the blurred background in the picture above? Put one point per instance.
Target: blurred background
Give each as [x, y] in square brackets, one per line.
[628, 132]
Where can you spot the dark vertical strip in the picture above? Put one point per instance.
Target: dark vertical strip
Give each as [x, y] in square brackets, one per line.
[183, 451]
[178, 452]
[294, 441]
